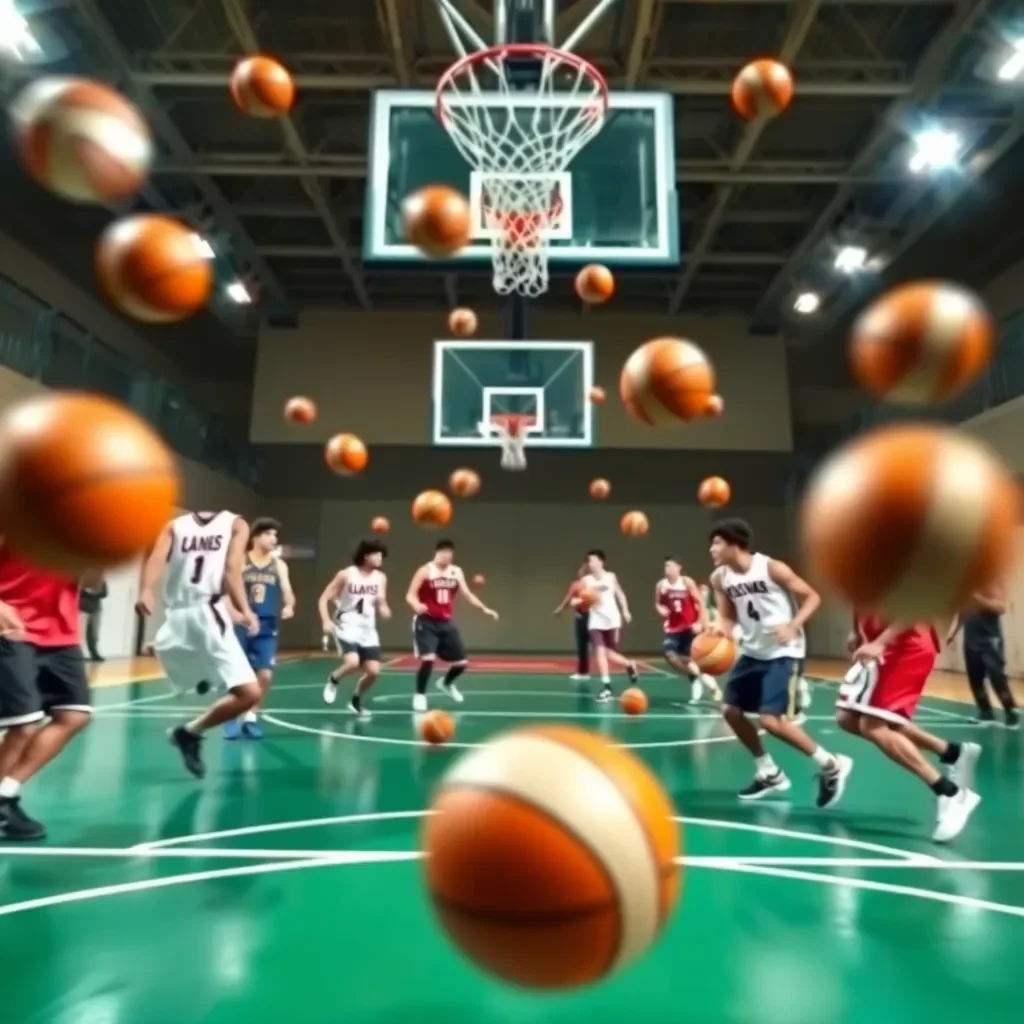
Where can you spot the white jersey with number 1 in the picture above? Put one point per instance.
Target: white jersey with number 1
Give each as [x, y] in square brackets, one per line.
[355, 611]
[761, 607]
[605, 614]
[198, 558]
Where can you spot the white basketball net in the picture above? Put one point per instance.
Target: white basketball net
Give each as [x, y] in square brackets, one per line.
[519, 142]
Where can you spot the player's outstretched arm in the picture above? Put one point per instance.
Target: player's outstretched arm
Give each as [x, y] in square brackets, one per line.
[702, 612]
[412, 595]
[570, 594]
[383, 608]
[234, 566]
[620, 597]
[725, 620]
[808, 599]
[287, 591]
[153, 569]
[323, 605]
[659, 606]
[473, 599]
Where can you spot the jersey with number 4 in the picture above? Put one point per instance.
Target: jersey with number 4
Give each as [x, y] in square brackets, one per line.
[355, 612]
[761, 607]
[198, 557]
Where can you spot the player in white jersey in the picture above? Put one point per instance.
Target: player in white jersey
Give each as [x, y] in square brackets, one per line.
[605, 618]
[201, 556]
[758, 594]
[359, 594]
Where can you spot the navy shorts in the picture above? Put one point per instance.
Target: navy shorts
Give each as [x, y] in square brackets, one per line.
[261, 649]
[678, 643]
[765, 686]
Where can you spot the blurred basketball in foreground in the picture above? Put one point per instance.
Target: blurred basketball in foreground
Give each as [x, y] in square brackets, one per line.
[380, 524]
[479, 580]
[715, 407]
[599, 489]
[346, 455]
[909, 521]
[462, 323]
[262, 87]
[464, 483]
[922, 342]
[666, 380]
[596, 395]
[595, 284]
[300, 409]
[763, 88]
[432, 508]
[84, 483]
[436, 727]
[634, 524]
[714, 654]
[714, 492]
[633, 701]
[437, 220]
[153, 268]
[81, 140]
[551, 858]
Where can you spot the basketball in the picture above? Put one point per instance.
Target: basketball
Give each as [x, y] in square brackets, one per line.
[599, 489]
[920, 343]
[715, 407]
[300, 409]
[479, 580]
[432, 508]
[713, 653]
[595, 284]
[763, 88]
[437, 220]
[551, 858]
[634, 524]
[261, 87]
[714, 492]
[909, 521]
[84, 483]
[633, 701]
[464, 483]
[346, 455]
[81, 140]
[153, 268]
[666, 380]
[596, 395]
[436, 727]
[586, 597]
[462, 323]
[380, 524]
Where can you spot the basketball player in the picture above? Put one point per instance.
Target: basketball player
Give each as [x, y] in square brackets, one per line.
[678, 601]
[985, 656]
[877, 701]
[758, 594]
[42, 676]
[268, 586]
[604, 621]
[431, 595]
[359, 593]
[201, 556]
[580, 631]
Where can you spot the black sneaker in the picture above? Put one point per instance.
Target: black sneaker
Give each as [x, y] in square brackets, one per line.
[832, 781]
[16, 825]
[762, 785]
[606, 694]
[631, 671]
[984, 717]
[190, 746]
[1012, 718]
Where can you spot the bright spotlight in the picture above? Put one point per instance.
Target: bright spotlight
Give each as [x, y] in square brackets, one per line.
[16, 39]
[204, 247]
[935, 150]
[237, 292]
[851, 259]
[1013, 67]
[807, 303]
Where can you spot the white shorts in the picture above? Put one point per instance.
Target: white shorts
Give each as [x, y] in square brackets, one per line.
[197, 644]
[359, 636]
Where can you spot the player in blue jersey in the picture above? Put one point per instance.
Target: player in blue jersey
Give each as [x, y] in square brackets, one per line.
[269, 590]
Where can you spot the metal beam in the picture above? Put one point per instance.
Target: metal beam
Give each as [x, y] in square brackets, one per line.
[238, 21]
[391, 23]
[927, 82]
[640, 42]
[804, 14]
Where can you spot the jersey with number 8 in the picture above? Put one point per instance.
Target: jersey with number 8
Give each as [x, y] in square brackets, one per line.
[199, 551]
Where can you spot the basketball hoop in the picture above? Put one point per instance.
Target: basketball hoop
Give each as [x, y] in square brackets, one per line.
[512, 429]
[519, 142]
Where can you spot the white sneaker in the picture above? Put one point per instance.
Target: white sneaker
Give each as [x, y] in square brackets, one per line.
[361, 713]
[452, 690]
[696, 691]
[576, 677]
[832, 784]
[962, 773]
[330, 692]
[714, 691]
[419, 703]
[954, 813]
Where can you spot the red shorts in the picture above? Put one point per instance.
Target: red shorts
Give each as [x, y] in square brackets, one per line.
[890, 690]
[607, 638]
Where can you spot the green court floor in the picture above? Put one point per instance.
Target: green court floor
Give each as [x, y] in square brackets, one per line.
[286, 886]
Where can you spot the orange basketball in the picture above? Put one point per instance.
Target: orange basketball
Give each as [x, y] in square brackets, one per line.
[300, 409]
[922, 342]
[153, 268]
[462, 323]
[586, 597]
[910, 521]
[84, 483]
[634, 524]
[380, 524]
[714, 492]
[464, 483]
[437, 220]
[552, 858]
[345, 454]
[432, 508]
[713, 653]
[595, 284]
[633, 701]
[596, 395]
[81, 140]
[599, 489]
[715, 407]
[666, 380]
[262, 87]
[764, 88]
[436, 727]
[479, 580]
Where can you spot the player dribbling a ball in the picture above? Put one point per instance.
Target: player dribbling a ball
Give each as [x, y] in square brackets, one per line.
[678, 601]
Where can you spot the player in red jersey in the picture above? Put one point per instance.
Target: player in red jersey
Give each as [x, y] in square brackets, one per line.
[42, 675]
[431, 595]
[878, 699]
[678, 601]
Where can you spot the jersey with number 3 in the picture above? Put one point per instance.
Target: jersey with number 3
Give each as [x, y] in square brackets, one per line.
[198, 556]
[355, 612]
[761, 607]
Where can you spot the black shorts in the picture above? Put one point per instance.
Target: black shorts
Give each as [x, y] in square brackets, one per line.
[365, 653]
[437, 637]
[678, 643]
[35, 681]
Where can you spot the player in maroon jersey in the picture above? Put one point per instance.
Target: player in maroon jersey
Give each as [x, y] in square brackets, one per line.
[678, 601]
[431, 595]
[42, 675]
